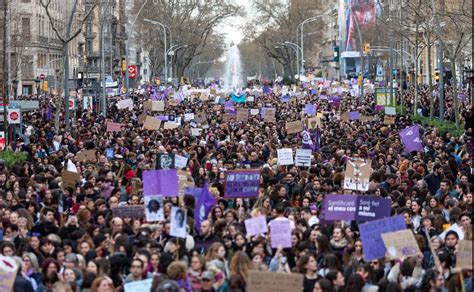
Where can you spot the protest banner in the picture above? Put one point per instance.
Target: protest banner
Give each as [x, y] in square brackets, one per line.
[125, 103]
[389, 120]
[241, 183]
[401, 244]
[285, 156]
[180, 161]
[69, 178]
[303, 157]
[151, 123]
[188, 117]
[256, 225]
[263, 281]
[464, 255]
[357, 174]
[178, 222]
[114, 127]
[371, 235]
[356, 208]
[86, 155]
[391, 111]
[280, 233]
[129, 211]
[162, 182]
[294, 127]
[8, 271]
[242, 115]
[154, 208]
[165, 161]
[143, 285]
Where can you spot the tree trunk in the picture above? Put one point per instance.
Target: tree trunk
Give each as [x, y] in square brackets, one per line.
[430, 77]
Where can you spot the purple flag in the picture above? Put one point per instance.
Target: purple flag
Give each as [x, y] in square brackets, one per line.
[49, 114]
[411, 138]
[462, 96]
[310, 140]
[203, 206]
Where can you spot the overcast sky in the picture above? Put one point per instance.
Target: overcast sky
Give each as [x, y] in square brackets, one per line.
[232, 27]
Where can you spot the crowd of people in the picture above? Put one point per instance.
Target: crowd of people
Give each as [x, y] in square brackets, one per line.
[66, 238]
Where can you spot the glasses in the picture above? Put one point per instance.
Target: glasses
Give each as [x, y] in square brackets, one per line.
[26, 260]
[136, 267]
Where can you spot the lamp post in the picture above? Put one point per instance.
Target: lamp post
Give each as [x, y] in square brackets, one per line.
[300, 51]
[165, 27]
[171, 52]
[283, 45]
[15, 86]
[37, 82]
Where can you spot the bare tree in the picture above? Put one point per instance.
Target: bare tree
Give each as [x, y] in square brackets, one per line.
[65, 37]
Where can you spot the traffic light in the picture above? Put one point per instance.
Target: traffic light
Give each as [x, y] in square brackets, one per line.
[336, 54]
[408, 77]
[80, 79]
[367, 48]
[437, 76]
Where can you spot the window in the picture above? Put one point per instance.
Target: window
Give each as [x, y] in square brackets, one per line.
[25, 27]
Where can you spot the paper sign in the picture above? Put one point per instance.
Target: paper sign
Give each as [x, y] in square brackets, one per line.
[178, 222]
[401, 244]
[285, 156]
[126, 103]
[280, 231]
[313, 123]
[114, 127]
[371, 235]
[366, 118]
[188, 117]
[129, 211]
[170, 125]
[390, 111]
[196, 132]
[310, 109]
[151, 123]
[180, 161]
[356, 208]
[464, 255]
[294, 127]
[254, 111]
[8, 271]
[354, 116]
[264, 281]
[70, 178]
[255, 226]
[165, 161]
[86, 155]
[241, 183]
[242, 115]
[143, 285]
[154, 208]
[389, 120]
[160, 182]
[357, 174]
[303, 157]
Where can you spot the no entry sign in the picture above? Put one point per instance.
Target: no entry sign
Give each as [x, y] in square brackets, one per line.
[13, 115]
[132, 71]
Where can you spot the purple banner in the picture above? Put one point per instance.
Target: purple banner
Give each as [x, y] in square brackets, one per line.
[411, 139]
[370, 234]
[242, 183]
[160, 182]
[357, 208]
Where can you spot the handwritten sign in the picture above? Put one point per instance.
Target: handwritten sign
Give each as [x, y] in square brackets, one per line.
[357, 174]
[269, 116]
[8, 271]
[151, 123]
[401, 244]
[389, 120]
[280, 231]
[255, 226]
[242, 115]
[371, 235]
[303, 157]
[314, 122]
[285, 156]
[464, 255]
[114, 127]
[129, 211]
[294, 127]
[180, 161]
[70, 178]
[86, 155]
[242, 183]
[264, 281]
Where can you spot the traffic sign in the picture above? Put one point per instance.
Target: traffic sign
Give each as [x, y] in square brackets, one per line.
[72, 102]
[2, 140]
[42, 76]
[132, 71]
[13, 115]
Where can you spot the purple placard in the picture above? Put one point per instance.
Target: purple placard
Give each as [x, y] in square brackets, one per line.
[267, 89]
[354, 116]
[162, 182]
[280, 231]
[323, 97]
[242, 183]
[163, 118]
[372, 208]
[229, 106]
[462, 96]
[255, 226]
[370, 234]
[339, 207]
[310, 109]
[285, 98]
[379, 107]
[312, 91]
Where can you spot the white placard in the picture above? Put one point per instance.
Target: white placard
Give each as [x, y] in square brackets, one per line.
[180, 161]
[303, 157]
[188, 117]
[126, 103]
[254, 111]
[154, 208]
[178, 222]
[250, 98]
[196, 132]
[285, 156]
[390, 111]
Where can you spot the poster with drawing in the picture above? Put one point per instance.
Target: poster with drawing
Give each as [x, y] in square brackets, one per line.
[357, 174]
[154, 208]
[178, 222]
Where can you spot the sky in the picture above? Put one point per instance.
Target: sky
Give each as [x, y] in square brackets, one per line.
[233, 26]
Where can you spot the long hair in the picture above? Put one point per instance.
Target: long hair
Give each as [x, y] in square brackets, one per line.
[212, 251]
[240, 264]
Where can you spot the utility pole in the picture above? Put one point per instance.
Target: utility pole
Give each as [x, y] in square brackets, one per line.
[361, 52]
[6, 67]
[66, 65]
[390, 73]
[430, 76]
[102, 53]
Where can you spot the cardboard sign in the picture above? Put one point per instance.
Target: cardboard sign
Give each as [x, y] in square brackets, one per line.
[264, 281]
[294, 127]
[86, 155]
[165, 161]
[129, 211]
[151, 123]
[8, 271]
[357, 174]
[170, 125]
[114, 127]
[401, 244]
[313, 123]
[70, 178]
[241, 183]
[303, 157]
[285, 156]
[242, 115]
[366, 118]
[154, 105]
[389, 120]
[280, 231]
[255, 226]
[371, 235]
[464, 255]
[269, 116]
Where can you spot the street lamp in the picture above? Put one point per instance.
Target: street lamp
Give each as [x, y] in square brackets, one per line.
[15, 86]
[298, 51]
[171, 52]
[37, 82]
[171, 42]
